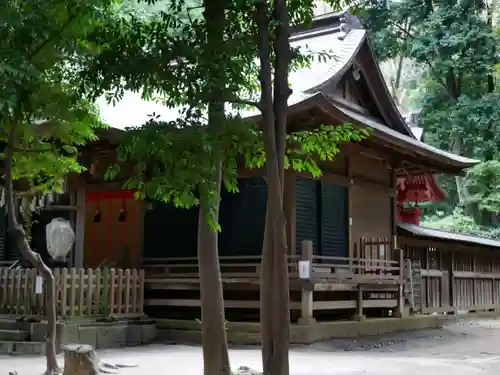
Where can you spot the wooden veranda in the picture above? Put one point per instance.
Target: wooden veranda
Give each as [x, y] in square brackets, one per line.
[338, 287]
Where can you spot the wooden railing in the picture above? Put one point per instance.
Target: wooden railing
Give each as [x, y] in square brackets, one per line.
[354, 269]
[230, 266]
[166, 277]
[79, 292]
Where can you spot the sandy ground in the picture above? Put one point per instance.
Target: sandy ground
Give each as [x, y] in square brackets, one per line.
[467, 347]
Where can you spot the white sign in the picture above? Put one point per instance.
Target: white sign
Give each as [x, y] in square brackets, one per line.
[381, 251]
[304, 269]
[38, 285]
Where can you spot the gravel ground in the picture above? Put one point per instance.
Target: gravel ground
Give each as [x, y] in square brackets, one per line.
[462, 348]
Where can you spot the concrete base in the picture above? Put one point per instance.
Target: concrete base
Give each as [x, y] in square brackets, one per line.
[358, 318]
[109, 334]
[22, 347]
[249, 333]
[101, 335]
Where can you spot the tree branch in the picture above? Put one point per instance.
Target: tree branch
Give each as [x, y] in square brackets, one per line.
[30, 151]
[71, 18]
[247, 102]
[426, 60]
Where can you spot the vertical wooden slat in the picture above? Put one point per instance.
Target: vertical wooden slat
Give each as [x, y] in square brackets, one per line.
[17, 291]
[10, 298]
[141, 291]
[64, 292]
[26, 293]
[112, 291]
[90, 292]
[135, 283]
[119, 291]
[72, 294]
[98, 291]
[106, 285]
[81, 294]
[127, 291]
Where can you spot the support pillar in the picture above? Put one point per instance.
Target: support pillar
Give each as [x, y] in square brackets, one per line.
[359, 305]
[306, 298]
[400, 294]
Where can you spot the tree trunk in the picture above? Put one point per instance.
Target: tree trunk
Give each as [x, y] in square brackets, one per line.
[17, 233]
[275, 311]
[80, 360]
[215, 349]
[213, 322]
[282, 91]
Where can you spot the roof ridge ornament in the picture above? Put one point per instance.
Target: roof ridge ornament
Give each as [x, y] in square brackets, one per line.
[348, 22]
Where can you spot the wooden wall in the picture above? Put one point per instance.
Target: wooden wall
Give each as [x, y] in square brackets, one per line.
[454, 277]
[371, 213]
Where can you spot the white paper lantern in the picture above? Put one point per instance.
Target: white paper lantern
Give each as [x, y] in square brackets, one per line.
[60, 238]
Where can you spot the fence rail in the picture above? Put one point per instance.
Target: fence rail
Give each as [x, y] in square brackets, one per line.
[230, 266]
[79, 292]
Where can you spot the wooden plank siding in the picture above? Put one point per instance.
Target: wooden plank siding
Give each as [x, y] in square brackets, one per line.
[455, 278]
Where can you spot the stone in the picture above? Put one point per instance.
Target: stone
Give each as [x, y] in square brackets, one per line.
[111, 337]
[244, 370]
[134, 335]
[87, 336]
[148, 333]
[69, 334]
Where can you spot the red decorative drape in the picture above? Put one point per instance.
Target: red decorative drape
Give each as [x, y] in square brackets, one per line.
[416, 189]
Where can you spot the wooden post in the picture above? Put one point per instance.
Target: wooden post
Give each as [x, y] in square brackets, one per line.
[451, 279]
[349, 210]
[400, 296]
[306, 298]
[80, 228]
[496, 295]
[394, 209]
[474, 283]
[359, 305]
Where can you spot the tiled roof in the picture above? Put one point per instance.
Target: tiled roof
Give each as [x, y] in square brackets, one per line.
[465, 239]
[325, 37]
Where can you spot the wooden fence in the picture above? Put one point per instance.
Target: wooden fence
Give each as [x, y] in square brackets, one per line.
[79, 292]
[455, 280]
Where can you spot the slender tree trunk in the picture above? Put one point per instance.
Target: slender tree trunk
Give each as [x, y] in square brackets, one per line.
[266, 102]
[213, 322]
[282, 91]
[20, 239]
[215, 349]
[275, 311]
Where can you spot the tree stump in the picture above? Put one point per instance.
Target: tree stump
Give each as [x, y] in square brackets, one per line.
[80, 360]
